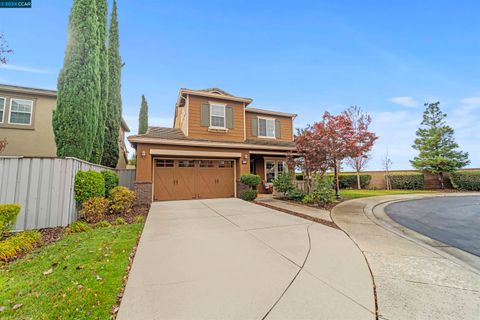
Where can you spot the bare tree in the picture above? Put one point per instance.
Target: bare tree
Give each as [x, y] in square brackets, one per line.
[387, 164]
[4, 49]
[359, 164]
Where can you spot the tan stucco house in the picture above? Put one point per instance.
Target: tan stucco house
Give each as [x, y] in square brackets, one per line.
[26, 123]
[216, 137]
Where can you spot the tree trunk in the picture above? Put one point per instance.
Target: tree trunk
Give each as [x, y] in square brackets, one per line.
[440, 177]
[337, 183]
[359, 186]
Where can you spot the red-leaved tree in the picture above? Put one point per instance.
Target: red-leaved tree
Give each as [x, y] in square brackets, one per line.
[324, 144]
[363, 139]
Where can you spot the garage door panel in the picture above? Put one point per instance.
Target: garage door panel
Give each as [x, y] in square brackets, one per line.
[185, 176]
[164, 180]
[193, 178]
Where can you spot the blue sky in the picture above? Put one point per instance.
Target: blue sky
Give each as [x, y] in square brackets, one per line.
[389, 57]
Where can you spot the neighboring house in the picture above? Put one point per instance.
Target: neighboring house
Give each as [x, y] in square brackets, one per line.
[26, 123]
[214, 140]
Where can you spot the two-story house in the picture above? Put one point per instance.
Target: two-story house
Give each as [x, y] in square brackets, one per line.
[215, 139]
[26, 123]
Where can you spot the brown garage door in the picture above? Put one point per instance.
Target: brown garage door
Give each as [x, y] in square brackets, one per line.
[193, 179]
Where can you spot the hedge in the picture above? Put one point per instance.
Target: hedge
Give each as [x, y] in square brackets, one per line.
[410, 181]
[88, 184]
[466, 180]
[8, 216]
[349, 181]
[111, 180]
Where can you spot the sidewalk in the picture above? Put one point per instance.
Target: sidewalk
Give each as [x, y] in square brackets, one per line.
[413, 280]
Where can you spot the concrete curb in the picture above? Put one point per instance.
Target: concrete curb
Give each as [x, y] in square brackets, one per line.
[415, 277]
[376, 213]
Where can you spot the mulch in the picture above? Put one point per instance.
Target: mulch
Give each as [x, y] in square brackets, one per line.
[327, 223]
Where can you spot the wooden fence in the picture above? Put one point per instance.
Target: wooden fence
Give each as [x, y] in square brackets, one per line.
[44, 188]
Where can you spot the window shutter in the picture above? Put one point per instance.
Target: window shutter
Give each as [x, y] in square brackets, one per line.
[277, 129]
[229, 117]
[254, 122]
[205, 115]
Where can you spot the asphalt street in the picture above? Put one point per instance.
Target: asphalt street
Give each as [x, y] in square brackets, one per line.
[452, 220]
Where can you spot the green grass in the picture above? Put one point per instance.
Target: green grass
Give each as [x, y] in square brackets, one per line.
[355, 194]
[88, 270]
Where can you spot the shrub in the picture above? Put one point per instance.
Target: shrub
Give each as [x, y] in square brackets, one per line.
[249, 194]
[139, 219]
[466, 180]
[350, 181]
[94, 209]
[119, 221]
[121, 200]
[410, 181]
[8, 216]
[88, 184]
[18, 243]
[103, 224]
[111, 180]
[78, 226]
[283, 183]
[296, 195]
[323, 193]
[251, 180]
[308, 199]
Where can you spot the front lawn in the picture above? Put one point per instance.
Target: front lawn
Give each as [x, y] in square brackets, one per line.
[78, 277]
[355, 194]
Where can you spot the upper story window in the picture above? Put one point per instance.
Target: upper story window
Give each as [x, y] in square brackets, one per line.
[266, 128]
[20, 111]
[217, 115]
[2, 109]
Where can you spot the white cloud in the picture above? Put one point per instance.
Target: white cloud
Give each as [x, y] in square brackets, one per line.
[24, 69]
[405, 101]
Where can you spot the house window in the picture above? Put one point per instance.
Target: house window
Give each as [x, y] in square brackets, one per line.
[164, 163]
[2, 109]
[186, 163]
[206, 163]
[273, 168]
[217, 115]
[266, 128]
[225, 164]
[20, 111]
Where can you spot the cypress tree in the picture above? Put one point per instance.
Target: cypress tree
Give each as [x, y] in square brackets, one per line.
[114, 104]
[436, 145]
[75, 118]
[143, 117]
[103, 65]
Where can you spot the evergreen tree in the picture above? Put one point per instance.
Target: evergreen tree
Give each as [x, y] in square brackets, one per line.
[103, 64]
[75, 118]
[436, 145]
[143, 117]
[114, 105]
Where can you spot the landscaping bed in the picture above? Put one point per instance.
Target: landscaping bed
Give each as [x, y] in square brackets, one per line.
[77, 277]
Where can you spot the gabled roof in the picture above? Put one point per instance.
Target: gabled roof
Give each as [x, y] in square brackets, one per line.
[270, 112]
[28, 90]
[161, 135]
[211, 93]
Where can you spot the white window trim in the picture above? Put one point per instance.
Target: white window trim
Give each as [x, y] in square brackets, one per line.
[224, 116]
[4, 108]
[10, 112]
[274, 129]
[285, 167]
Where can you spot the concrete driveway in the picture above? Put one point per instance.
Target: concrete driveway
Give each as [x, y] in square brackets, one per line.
[451, 220]
[230, 259]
